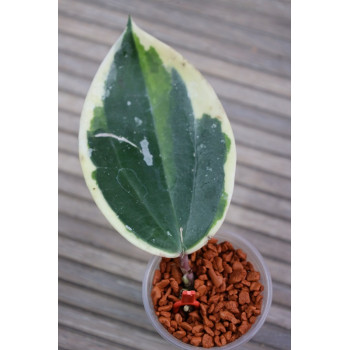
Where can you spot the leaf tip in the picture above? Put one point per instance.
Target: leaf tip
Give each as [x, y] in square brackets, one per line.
[129, 24]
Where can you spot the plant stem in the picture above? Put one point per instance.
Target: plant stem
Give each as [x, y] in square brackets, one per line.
[187, 272]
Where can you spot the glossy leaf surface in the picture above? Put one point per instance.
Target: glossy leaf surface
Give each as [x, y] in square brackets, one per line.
[156, 148]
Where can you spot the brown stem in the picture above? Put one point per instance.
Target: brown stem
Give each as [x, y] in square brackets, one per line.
[187, 271]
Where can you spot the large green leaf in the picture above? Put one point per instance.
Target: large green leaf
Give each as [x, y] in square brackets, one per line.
[156, 147]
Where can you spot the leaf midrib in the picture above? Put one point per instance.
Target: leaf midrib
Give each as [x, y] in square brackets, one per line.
[194, 171]
[159, 147]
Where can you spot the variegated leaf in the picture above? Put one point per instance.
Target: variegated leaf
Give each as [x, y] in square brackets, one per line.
[156, 147]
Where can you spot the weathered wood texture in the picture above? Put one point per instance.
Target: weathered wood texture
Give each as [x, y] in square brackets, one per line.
[243, 48]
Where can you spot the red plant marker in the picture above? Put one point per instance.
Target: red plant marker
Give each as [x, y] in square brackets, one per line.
[188, 298]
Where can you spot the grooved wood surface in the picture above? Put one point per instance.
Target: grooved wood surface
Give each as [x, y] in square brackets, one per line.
[243, 48]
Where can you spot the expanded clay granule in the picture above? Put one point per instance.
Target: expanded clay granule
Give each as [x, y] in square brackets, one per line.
[227, 287]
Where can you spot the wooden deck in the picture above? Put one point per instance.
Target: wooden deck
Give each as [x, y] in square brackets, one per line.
[243, 48]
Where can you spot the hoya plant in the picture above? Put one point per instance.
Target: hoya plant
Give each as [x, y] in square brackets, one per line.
[156, 147]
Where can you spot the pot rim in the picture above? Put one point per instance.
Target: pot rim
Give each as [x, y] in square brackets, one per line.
[257, 260]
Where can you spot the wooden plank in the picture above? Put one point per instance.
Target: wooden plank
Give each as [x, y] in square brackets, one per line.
[280, 272]
[74, 84]
[262, 202]
[259, 99]
[245, 18]
[106, 282]
[267, 7]
[279, 316]
[70, 102]
[281, 295]
[270, 226]
[261, 160]
[172, 36]
[269, 183]
[190, 22]
[68, 122]
[119, 265]
[118, 332]
[100, 237]
[113, 263]
[68, 142]
[109, 239]
[262, 140]
[274, 337]
[229, 90]
[112, 307]
[256, 118]
[69, 164]
[73, 340]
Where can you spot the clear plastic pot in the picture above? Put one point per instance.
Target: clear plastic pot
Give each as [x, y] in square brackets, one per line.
[265, 278]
